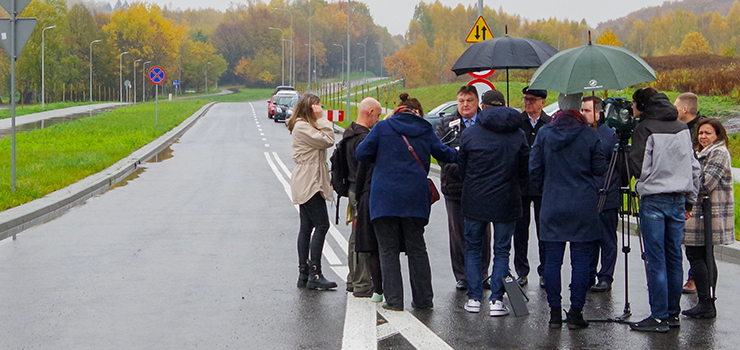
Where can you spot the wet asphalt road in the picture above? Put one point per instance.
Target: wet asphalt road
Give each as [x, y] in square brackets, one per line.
[199, 252]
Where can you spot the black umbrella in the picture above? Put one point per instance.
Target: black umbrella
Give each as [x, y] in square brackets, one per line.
[503, 53]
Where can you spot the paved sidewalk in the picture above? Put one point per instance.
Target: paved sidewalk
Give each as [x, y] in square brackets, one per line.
[56, 113]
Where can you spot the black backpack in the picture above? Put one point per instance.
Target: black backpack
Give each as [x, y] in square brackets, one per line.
[340, 173]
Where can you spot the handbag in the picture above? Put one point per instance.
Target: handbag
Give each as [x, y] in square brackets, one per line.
[432, 186]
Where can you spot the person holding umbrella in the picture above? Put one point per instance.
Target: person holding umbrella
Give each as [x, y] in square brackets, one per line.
[705, 229]
[533, 119]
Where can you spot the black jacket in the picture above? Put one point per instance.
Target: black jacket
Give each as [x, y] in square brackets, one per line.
[493, 161]
[693, 129]
[531, 133]
[450, 135]
[353, 135]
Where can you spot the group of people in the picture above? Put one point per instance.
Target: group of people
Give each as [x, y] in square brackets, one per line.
[496, 164]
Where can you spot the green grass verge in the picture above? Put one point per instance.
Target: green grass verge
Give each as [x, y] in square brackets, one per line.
[53, 158]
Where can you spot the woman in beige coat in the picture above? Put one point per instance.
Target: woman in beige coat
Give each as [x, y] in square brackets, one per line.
[311, 187]
[716, 184]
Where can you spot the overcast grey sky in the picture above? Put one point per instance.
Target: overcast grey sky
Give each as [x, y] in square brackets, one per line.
[396, 14]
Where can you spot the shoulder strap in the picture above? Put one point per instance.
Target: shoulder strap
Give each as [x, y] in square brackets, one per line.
[411, 149]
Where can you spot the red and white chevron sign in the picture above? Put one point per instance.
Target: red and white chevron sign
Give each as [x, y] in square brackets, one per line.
[334, 115]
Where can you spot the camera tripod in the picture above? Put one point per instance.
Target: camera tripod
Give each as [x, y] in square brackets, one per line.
[627, 209]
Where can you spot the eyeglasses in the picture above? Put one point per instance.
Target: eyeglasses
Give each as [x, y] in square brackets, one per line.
[531, 99]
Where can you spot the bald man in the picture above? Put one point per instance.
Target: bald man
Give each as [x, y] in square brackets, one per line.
[360, 257]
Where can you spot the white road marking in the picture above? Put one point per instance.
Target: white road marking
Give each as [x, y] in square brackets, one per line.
[413, 330]
[386, 331]
[362, 328]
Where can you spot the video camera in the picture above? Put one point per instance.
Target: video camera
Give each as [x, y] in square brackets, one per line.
[618, 115]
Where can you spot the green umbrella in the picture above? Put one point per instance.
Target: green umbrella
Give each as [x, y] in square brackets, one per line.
[591, 67]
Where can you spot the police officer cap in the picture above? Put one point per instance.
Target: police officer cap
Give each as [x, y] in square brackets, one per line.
[537, 93]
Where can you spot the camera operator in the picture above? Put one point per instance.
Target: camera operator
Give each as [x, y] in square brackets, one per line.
[667, 173]
[606, 245]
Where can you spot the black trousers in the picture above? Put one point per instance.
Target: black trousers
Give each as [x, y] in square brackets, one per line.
[314, 219]
[606, 247]
[521, 237]
[456, 227]
[390, 230]
[697, 257]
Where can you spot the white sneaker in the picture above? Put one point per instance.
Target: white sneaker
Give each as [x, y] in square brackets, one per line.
[472, 306]
[498, 309]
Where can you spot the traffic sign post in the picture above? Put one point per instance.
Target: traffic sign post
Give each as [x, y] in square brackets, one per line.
[156, 76]
[479, 32]
[482, 85]
[176, 85]
[14, 33]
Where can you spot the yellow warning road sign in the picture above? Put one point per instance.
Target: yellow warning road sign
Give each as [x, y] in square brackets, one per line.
[479, 32]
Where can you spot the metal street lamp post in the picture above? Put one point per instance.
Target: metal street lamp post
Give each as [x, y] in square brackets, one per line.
[120, 75]
[342, 75]
[91, 90]
[314, 65]
[139, 60]
[309, 45]
[364, 62]
[292, 51]
[381, 57]
[282, 49]
[43, 54]
[207, 64]
[143, 80]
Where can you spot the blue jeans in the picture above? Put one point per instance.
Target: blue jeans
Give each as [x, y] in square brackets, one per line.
[580, 257]
[661, 224]
[474, 233]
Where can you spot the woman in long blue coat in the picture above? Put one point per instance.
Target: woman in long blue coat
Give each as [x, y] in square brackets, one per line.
[567, 161]
[400, 199]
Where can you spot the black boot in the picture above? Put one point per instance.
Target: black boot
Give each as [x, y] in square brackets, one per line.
[302, 274]
[704, 309]
[575, 319]
[316, 280]
[556, 318]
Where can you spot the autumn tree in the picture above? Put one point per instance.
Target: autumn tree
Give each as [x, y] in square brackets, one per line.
[694, 43]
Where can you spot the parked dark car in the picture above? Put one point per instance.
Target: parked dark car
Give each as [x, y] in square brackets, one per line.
[435, 115]
[284, 107]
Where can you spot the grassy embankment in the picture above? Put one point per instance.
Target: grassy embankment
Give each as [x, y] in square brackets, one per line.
[52, 158]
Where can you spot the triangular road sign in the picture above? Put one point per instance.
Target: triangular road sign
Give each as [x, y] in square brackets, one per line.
[479, 32]
[23, 29]
[19, 5]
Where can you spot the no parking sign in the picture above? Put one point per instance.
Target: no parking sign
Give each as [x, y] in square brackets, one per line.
[157, 75]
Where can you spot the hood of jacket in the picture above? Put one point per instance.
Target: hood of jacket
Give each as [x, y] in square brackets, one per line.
[500, 119]
[660, 108]
[409, 124]
[355, 129]
[564, 129]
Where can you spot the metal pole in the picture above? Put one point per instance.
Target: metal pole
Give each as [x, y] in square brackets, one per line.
[91, 71]
[341, 75]
[292, 50]
[156, 104]
[349, 46]
[139, 60]
[43, 54]
[207, 64]
[120, 76]
[13, 56]
[381, 57]
[143, 81]
[282, 62]
[480, 8]
[364, 62]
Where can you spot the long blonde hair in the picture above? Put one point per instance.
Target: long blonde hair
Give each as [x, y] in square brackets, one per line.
[303, 111]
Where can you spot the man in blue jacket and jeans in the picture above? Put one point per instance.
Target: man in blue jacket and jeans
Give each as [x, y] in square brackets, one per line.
[668, 176]
[492, 161]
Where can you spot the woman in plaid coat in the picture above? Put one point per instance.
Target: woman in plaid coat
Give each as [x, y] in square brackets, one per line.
[716, 183]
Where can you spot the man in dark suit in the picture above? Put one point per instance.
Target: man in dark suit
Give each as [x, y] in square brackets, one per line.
[533, 118]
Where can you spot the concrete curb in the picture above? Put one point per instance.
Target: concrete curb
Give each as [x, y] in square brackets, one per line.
[53, 205]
